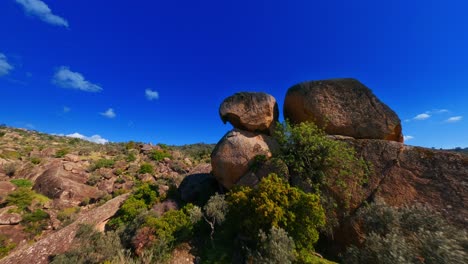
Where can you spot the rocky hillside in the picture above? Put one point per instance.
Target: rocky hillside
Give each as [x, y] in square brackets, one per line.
[48, 182]
[334, 182]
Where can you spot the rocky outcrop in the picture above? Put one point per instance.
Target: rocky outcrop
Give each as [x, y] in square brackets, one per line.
[61, 241]
[236, 152]
[5, 189]
[406, 175]
[8, 218]
[254, 112]
[65, 187]
[342, 107]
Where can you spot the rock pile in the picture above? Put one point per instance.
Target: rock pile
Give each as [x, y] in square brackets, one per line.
[253, 116]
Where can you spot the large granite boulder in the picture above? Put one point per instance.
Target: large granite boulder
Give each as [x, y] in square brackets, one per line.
[254, 112]
[342, 107]
[65, 187]
[236, 152]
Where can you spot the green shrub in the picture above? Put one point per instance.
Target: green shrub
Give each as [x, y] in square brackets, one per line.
[321, 165]
[35, 160]
[2, 133]
[62, 152]
[274, 248]
[159, 155]
[91, 247]
[22, 183]
[102, 163]
[10, 155]
[35, 221]
[146, 168]
[131, 157]
[5, 246]
[10, 169]
[22, 198]
[141, 200]
[68, 215]
[274, 203]
[407, 235]
[93, 179]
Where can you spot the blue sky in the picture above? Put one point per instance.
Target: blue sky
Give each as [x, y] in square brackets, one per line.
[156, 71]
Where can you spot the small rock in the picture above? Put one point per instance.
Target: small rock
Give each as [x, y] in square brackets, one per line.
[72, 158]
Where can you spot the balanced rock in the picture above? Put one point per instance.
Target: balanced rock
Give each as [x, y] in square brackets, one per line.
[342, 107]
[235, 153]
[254, 112]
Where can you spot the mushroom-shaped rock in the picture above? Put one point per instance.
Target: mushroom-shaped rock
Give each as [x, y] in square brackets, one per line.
[342, 107]
[235, 153]
[254, 112]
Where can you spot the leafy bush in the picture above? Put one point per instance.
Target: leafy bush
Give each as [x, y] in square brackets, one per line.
[22, 197]
[5, 246]
[35, 160]
[407, 235]
[35, 221]
[62, 152]
[142, 199]
[10, 169]
[93, 179]
[68, 215]
[215, 211]
[131, 157]
[91, 247]
[22, 183]
[276, 247]
[321, 165]
[274, 203]
[10, 154]
[102, 163]
[146, 168]
[159, 155]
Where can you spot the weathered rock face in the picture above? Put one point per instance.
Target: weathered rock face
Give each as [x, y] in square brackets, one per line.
[7, 218]
[236, 152]
[66, 187]
[404, 175]
[254, 112]
[61, 241]
[5, 189]
[342, 107]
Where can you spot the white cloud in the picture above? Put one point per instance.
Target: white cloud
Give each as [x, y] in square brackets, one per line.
[406, 138]
[151, 95]
[454, 119]
[42, 11]
[95, 138]
[66, 78]
[422, 116]
[5, 66]
[441, 111]
[109, 113]
[66, 109]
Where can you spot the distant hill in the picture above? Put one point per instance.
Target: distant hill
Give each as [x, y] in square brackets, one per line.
[459, 150]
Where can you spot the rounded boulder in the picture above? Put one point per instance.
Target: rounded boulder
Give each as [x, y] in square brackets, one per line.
[342, 107]
[250, 111]
[236, 152]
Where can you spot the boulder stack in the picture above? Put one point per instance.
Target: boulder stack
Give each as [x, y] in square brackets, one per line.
[253, 116]
[342, 107]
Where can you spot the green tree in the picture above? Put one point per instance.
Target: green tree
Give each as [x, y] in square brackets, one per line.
[321, 165]
[276, 247]
[274, 203]
[215, 211]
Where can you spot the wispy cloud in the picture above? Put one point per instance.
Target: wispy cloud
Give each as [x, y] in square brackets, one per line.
[40, 9]
[423, 116]
[66, 109]
[109, 113]
[5, 66]
[454, 119]
[66, 78]
[406, 138]
[95, 138]
[151, 95]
